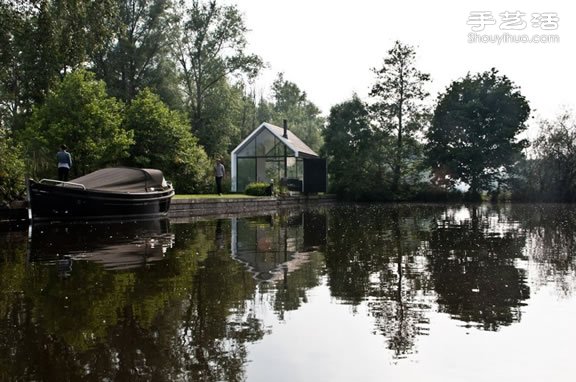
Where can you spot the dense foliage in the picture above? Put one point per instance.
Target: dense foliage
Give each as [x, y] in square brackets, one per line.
[210, 48]
[473, 136]
[80, 114]
[170, 84]
[349, 147]
[11, 170]
[549, 174]
[162, 140]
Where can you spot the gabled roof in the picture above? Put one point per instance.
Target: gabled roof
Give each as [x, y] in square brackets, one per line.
[293, 142]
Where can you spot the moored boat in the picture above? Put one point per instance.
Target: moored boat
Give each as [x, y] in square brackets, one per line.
[110, 193]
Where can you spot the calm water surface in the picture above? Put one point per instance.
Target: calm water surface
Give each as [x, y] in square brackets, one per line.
[346, 293]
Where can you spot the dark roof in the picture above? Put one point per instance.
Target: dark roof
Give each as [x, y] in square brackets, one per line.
[123, 179]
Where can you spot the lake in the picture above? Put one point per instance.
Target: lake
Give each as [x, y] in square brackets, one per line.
[350, 292]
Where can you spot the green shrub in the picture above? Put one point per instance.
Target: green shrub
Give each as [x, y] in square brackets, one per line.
[258, 189]
[12, 169]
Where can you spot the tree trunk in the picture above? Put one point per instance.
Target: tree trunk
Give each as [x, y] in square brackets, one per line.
[474, 192]
[398, 159]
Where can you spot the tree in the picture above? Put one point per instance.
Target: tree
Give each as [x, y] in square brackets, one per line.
[399, 94]
[80, 114]
[349, 149]
[25, 68]
[211, 48]
[11, 22]
[12, 169]
[223, 108]
[551, 174]
[474, 128]
[40, 41]
[162, 140]
[292, 104]
[135, 55]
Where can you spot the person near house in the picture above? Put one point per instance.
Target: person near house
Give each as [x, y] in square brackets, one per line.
[64, 163]
[219, 172]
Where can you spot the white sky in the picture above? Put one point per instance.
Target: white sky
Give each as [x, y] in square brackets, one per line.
[329, 47]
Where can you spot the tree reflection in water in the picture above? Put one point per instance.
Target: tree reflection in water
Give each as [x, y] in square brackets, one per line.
[191, 313]
[378, 257]
[550, 243]
[405, 259]
[472, 262]
[185, 317]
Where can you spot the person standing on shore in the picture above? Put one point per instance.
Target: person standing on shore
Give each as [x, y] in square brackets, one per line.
[64, 163]
[219, 172]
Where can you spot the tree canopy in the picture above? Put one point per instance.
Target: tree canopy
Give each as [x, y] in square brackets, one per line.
[71, 69]
[349, 149]
[549, 174]
[134, 51]
[162, 140]
[473, 136]
[82, 115]
[211, 48]
[292, 104]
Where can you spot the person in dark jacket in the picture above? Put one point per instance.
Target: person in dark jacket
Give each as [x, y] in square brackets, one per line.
[64, 163]
[219, 172]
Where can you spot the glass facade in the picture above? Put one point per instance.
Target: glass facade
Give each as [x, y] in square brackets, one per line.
[266, 158]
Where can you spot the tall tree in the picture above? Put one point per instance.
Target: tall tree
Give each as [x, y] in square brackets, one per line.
[222, 112]
[211, 49]
[292, 104]
[473, 137]
[40, 41]
[135, 55]
[8, 93]
[349, 149]
[398, 102]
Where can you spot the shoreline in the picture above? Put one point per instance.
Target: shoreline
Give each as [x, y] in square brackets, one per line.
[193, 208]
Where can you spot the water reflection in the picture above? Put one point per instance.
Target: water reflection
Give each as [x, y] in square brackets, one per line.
[271, 247]
[473, 260]
[279, 254]
[190, 301]
[114, 245]
[550, 244]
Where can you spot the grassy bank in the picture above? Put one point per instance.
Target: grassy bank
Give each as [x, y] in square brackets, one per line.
[212, 196]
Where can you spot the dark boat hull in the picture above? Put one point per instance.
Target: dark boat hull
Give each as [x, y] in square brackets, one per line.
[57, 202]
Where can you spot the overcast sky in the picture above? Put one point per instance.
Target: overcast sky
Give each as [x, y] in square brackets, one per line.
[329, 47]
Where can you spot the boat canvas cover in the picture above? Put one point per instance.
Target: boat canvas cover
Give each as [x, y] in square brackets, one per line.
[123, 179]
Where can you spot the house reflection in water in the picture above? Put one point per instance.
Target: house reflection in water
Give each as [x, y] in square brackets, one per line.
[273, 246]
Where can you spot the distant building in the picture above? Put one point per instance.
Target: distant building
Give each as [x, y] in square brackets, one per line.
[274, 154]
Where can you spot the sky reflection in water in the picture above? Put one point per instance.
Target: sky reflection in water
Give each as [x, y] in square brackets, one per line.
[353, 292]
